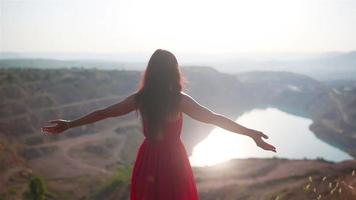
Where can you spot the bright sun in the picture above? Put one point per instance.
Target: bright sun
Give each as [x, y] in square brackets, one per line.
[199, 26]
[214, 25]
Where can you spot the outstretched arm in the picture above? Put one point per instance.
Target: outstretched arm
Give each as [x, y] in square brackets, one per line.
[115, 110]
[196, 111]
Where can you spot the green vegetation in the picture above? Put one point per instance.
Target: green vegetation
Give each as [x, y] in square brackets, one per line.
[117, 186]
[12, 191]
[37, 190]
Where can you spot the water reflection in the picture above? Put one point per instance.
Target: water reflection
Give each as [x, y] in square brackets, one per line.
[289, 133]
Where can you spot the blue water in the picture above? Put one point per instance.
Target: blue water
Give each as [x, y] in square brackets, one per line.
[290, 134]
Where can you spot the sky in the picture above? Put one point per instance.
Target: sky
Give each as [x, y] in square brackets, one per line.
[185, 26]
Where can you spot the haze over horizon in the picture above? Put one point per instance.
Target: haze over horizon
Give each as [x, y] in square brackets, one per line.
[184, 27]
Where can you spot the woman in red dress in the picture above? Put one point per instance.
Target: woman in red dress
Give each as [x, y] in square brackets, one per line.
[162, 170]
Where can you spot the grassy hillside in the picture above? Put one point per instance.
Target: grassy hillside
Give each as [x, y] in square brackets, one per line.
[70, 163]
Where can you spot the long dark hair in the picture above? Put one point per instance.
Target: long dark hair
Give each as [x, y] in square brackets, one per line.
[159, 93]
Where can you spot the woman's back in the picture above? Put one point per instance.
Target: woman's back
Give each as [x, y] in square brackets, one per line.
[170, 131]
[162, 170]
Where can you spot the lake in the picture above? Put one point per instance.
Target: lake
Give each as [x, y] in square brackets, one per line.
[289, 133]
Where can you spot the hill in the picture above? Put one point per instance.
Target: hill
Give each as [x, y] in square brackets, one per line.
[71, 162]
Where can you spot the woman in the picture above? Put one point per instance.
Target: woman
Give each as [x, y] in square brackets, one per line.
[162, 170]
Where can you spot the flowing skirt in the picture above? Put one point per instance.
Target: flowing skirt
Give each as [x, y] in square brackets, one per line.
[162, 172]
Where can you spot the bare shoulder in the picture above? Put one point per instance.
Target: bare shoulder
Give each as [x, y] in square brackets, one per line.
[186, 101]
[185, 98]
[195, 110]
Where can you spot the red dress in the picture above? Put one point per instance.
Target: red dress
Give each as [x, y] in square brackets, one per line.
[162, 170]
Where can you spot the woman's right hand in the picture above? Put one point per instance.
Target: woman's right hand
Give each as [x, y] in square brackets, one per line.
[257, 137]
[61, 126]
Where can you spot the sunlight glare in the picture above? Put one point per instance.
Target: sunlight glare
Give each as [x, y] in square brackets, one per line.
[204, 26]
[286, 132]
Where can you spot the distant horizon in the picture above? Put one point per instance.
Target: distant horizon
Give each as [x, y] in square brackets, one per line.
[131, 56]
